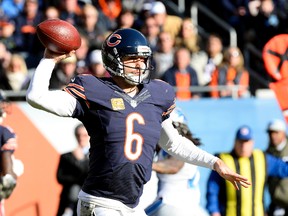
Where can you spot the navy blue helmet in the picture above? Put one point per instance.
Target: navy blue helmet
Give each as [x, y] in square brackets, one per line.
[126, 42]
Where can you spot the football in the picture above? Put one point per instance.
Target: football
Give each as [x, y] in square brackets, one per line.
[58, 35]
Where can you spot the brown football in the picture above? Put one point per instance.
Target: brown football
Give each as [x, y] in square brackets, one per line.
[58, 35]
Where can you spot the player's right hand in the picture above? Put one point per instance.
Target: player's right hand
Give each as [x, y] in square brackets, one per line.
[56, 56]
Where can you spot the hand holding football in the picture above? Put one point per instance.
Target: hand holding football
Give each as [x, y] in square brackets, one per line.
[58, 35]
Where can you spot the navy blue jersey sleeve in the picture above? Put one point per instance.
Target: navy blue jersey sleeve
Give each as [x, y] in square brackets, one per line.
[276, 167]
[165, 95]
[6, 134]
[77, 90]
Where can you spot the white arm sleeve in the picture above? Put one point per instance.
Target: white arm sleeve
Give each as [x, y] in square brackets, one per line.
[38, 95]
[182, 148]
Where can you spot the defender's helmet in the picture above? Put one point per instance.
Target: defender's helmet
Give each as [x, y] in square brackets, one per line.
[180, 122]
[177, 115]
[126, 42]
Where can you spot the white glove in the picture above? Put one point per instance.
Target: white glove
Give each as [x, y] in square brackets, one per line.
[7, 185]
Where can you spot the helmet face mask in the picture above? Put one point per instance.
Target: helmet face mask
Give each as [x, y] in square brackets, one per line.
[126, 43]
[135, 79]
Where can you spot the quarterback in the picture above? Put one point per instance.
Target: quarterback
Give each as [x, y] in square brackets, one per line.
[125, 116]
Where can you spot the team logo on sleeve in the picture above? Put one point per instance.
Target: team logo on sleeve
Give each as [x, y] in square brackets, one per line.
[117, 104]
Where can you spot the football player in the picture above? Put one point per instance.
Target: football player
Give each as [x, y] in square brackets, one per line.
[7, 146]
[125, 115]
[178, 186]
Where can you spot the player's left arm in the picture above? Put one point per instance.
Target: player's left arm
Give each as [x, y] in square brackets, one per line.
[184, 149]
[170, 165]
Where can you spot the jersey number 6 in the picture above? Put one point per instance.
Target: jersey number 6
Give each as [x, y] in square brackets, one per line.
[133, 153]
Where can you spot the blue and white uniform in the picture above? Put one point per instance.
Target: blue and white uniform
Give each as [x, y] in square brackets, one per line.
[181, 189]
[178, 193]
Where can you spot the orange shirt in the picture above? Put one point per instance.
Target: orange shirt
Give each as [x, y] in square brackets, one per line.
[183, 83]
[230, 78]
[112, 13]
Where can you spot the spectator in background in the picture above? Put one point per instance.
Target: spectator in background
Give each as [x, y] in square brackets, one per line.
[110, 10]
[181, 75]
[25, 35]
[278, 188]
[71, 172]
[7, 29]
[96, 66]
[125, 19]
[51, 12]
[142, 15]
[205, 62]
[222, 199]
[166, 22]
[178, 186]
[134, 5]
[164, 55]
[91, 27]
[188, 36]
[267, 23]
[82, 55]
[70, 11]
[236, 13]
[230, 73]
[214, 49]
[16, 76]
[151, 31]
[62, 74]
[12, 8]
[5, 56]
